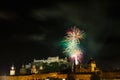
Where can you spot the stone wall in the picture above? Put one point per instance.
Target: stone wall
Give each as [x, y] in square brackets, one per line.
[110, 75]
[44, 76]
[82, 77]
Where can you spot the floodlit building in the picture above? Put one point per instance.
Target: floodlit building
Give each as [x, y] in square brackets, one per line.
[50, 64]
[91, 67]
[54, 68]
[50, 60]
[55, 64]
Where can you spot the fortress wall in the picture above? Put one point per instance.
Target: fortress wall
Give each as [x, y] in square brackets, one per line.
[43, 76]
[82, 76]
[15, 77]
[31, 77]
[110, 75]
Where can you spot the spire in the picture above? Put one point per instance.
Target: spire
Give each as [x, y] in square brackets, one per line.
[12, 70]
[23, 70]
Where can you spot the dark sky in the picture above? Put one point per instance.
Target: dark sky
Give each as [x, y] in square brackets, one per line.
[35, 28]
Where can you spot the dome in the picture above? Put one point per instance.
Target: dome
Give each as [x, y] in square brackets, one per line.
[91, 61]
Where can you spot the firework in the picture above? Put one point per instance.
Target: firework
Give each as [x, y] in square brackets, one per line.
[71, 42]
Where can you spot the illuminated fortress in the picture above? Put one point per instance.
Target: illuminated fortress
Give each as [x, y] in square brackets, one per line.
[59, 69]
[53, 68]
[59, 65]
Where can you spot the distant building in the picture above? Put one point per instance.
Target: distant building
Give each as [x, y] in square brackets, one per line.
[47, 65]
[54, 68]
[55, 64]
[91, 67]
[50, 60]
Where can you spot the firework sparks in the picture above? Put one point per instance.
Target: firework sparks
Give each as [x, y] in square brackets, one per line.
[72, 41]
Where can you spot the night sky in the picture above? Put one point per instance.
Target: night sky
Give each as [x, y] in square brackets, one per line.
[33, 30]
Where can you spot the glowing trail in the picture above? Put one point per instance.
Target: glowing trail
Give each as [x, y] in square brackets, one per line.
[71, 42]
